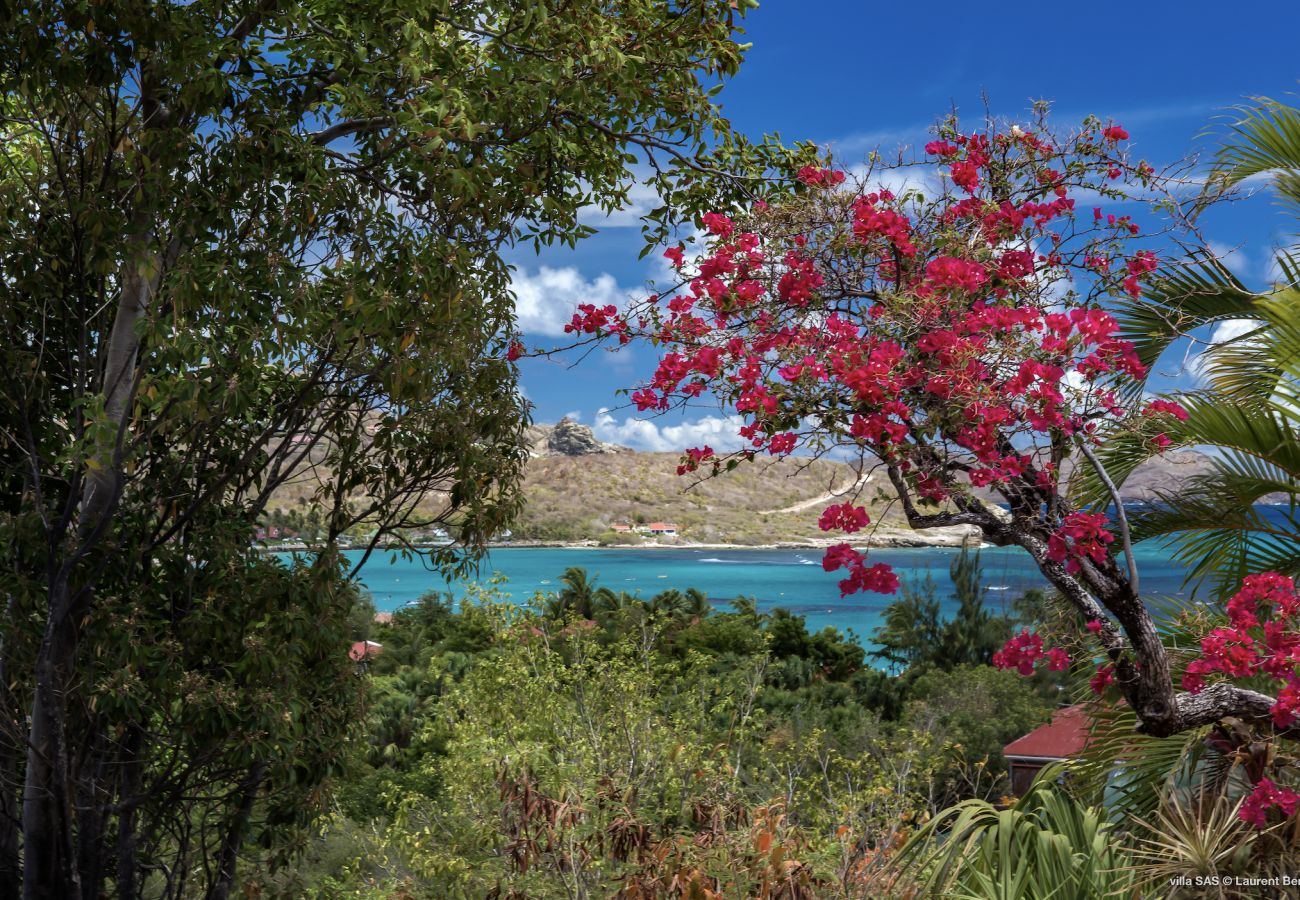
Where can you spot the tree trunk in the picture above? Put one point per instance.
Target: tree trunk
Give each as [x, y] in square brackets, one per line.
[92, 814]
[11, 873]
[50, 860]
[103, 478]
[225, 880]
[127, 835]
[49, 863]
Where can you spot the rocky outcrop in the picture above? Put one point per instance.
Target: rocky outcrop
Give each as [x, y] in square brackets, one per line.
[1165, 474]
[569, 438]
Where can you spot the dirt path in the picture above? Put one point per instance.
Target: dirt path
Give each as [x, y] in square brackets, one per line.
[804, 504]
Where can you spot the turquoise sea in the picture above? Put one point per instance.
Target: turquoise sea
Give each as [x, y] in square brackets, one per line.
[793, 579]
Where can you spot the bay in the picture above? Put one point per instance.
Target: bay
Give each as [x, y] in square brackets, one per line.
[793, 579]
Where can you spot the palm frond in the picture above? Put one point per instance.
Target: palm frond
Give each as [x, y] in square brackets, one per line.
[1128, 771]
[1046, 845]
[1265, 362]
[1266, 138]
[1198, 291]
[1215, 526]
[1288, 264]
[1244, 431]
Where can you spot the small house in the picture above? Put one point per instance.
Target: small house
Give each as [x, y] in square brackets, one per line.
[1063, 738]
[362, 651]
[620, 528]
[662, 528]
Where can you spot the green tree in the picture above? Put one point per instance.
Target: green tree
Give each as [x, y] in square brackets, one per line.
[912, 631]
[973, 634]
[915, 635]
[251, 244]
[978, 710]
[578, 597]
[697, 603]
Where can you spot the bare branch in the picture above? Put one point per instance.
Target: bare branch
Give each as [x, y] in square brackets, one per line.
[1125, 533]
[350, 127]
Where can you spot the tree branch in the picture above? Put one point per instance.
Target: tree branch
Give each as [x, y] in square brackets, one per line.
[1125, 534]
[349, 127]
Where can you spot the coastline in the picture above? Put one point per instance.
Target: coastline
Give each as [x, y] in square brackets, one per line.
[881, 538]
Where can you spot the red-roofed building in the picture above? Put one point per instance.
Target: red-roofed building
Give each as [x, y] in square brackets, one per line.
[383, 618]
[1065, 737]
[365, 650]
[662, 528]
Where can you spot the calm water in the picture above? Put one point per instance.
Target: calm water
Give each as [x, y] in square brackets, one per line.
[793, 579]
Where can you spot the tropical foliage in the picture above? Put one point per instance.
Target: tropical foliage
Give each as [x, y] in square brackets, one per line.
[657, 748]
[1045, 845]
[1248, 409]
[248, 246]
[251, 244]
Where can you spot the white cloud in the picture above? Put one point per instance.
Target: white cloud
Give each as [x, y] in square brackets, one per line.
[546, 301]
[1231, 256]
[1273, 274]
[641, 198]
[719, 432]
[1231, 329]
[1259, 180]
[662, 273]
[884, 141]
[1227, 330]
[923, 177]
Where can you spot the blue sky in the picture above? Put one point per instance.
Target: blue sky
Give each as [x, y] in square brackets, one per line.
[858, 75]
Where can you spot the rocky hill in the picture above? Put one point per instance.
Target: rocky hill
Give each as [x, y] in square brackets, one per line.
[1165, 474]
[579, 488]
[577, 497]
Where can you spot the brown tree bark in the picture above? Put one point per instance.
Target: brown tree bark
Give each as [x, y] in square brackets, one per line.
[49, 861]
[229, 858]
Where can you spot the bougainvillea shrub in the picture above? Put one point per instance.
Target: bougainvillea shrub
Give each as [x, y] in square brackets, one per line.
[947, 323]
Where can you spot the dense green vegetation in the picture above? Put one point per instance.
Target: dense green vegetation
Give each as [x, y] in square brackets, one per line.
[257, 272]
[597, 741]
[254, 245]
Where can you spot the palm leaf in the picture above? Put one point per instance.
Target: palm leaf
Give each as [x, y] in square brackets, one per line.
[1258, 431]
[1127, 771]
[1265, 140]
[1214, 527]
[1191, 294]
[1263, 365]
[1046, 845]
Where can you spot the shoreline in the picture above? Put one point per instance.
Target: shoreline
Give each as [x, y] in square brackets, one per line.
[884, 538]
[887, 538]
